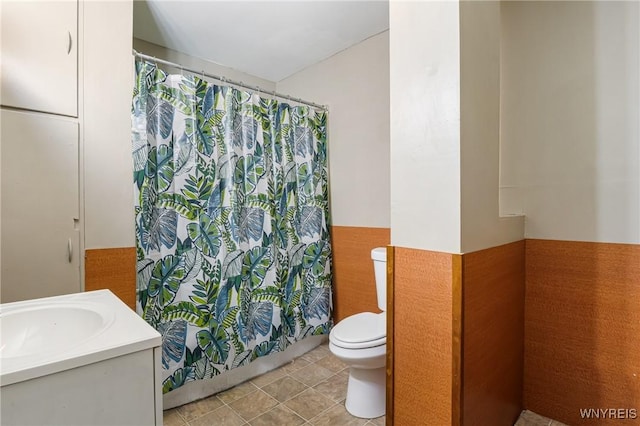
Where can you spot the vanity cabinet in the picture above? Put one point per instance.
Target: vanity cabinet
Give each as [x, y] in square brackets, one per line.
[89, 361]
[40, 205]
[39, 66]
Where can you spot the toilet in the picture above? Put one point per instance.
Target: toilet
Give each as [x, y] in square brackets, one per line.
[360, 341]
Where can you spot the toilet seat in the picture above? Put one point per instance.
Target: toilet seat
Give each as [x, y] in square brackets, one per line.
[359, 331]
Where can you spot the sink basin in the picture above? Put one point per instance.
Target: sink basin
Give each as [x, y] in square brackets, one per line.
[52, 328]
[63, 359]
[41, 337]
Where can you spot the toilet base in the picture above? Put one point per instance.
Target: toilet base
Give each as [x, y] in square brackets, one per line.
[366, 392]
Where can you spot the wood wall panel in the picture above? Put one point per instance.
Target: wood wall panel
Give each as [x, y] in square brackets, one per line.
[457, 336]
[493, 318]
[354, 286]
[113, 269]
[422, 339]
[582, 329]
[390, 332]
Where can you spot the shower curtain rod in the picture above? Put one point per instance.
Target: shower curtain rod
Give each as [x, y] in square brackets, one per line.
[227, 80]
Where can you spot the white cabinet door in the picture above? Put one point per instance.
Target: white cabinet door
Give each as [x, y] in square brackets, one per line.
[39, 55]
[40, 234]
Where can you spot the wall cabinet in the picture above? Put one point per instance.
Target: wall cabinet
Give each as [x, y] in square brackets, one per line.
[40, 234]
[66, 74]
[39, 143]
[40, 56]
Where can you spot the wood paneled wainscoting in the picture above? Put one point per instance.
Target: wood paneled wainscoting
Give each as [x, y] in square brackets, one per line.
[456, 337]
[493, 285]
[582, 331]
[422, 338]
[113, 269]
[354, 285]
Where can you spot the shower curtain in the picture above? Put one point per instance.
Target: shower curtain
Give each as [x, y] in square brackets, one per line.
[231, 216]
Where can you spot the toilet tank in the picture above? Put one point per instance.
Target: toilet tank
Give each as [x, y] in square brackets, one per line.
[379, 256]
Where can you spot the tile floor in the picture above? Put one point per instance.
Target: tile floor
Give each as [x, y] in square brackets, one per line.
[529, 418]
[308, 391]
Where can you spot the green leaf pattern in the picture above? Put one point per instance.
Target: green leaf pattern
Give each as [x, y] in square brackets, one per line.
[232, 222]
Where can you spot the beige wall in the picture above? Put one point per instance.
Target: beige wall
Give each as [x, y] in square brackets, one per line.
[425, 125]
[355, 85]
[445, 115]
[570, 119]
[107, 87]
[481, 224]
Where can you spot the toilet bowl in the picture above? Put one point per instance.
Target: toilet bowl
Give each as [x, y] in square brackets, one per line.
[360, 342]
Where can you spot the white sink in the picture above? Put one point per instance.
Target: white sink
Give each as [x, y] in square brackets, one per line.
[52, 327]
[63, 359]
[45, 336]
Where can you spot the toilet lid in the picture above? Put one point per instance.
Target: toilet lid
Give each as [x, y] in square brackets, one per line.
[362, 330]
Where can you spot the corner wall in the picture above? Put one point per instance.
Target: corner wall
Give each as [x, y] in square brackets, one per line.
[425, 125]
[570, 130]
[480, 222]
[107, 87]
[493, 304]
[570, 163]
[423, 350]
[458, 288]
[457, 336]
[106, 113]
[424, 363]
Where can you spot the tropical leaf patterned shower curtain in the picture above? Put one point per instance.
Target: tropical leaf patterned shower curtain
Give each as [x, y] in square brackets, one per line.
[231, 210]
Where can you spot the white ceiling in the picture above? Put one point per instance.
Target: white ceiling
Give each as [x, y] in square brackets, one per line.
[268, 39]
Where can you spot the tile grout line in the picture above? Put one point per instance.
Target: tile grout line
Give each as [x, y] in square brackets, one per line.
[269, 395]
[320, 350]
[283, 403]
[324, 411]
